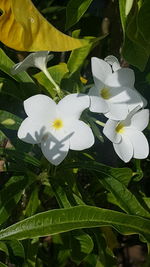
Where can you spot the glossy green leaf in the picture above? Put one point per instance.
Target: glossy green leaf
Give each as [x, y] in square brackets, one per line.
[9, 120]
[75, 10]
[124, 175]
[58, 221]
[136, 48]
[6, 64]
[111, 179]
[79, 243]
[78, 56]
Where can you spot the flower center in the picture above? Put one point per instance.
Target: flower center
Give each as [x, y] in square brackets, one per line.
[105, 93]
[120, 128]
[57, 124]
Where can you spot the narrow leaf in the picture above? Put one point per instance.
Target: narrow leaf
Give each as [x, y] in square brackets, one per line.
[63, 220]
[75, 10]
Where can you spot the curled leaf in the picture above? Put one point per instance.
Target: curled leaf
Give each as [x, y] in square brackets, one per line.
[23, 28]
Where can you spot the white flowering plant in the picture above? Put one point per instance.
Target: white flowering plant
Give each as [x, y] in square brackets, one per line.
[74, 137]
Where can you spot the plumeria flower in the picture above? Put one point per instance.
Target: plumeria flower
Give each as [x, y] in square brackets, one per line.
[113, 93]
[127, 137]
[56, 127]
[39, 60]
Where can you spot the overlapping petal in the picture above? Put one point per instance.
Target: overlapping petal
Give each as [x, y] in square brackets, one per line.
[110, 133]
[100, 69]
[124, 149]
[71, 106]
[116, 111]
[113, 61]
[140, 119]
[97, 103]
[123, 77]
[139, 143]
[82, 137]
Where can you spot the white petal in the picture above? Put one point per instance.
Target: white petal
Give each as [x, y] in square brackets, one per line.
[40, 59]
[37, 59]
[124, 149]
[113, 61]
[98, 84]
[40, 107]
[139, 143]
[55, 148]
[100, 69]
[109, 131]
[121, 77]
[117, 111]
[140, 119]
[124, 95]
[31, 131]
[97, 103]
[82, 136]
[71, 106]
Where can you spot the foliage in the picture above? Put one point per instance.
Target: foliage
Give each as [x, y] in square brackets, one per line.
[75, 213]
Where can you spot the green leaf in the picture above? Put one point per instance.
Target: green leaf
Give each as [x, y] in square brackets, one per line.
[58, 221]
[15, 249]
[75, 10]
[144, 20]
[136, 49]
[33, 203]
[129, 4]
[22, 156]
[9, 120]
[78, 56]
[6, 64]
[4, 248]
[124, 175]
[13, 190]
[57, 72]
[111, 179]
[3, 265]
[79, 243]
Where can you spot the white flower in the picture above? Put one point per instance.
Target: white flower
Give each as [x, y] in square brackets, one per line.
[39, 60]
[113, 93]
[127, 137]
[56, 126]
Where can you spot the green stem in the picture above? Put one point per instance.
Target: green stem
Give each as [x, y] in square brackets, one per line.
[57, 88]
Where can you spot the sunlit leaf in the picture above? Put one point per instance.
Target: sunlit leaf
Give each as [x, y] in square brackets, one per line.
[6, 64]
[23, 28]
[63, 220]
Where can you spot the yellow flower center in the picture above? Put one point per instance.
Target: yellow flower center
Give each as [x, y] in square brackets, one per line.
[57, 124]
[120, 128]
[105, 93]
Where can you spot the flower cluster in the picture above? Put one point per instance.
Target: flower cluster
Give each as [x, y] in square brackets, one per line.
[58, 128]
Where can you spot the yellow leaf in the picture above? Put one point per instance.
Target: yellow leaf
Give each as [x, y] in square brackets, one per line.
[23, 28]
